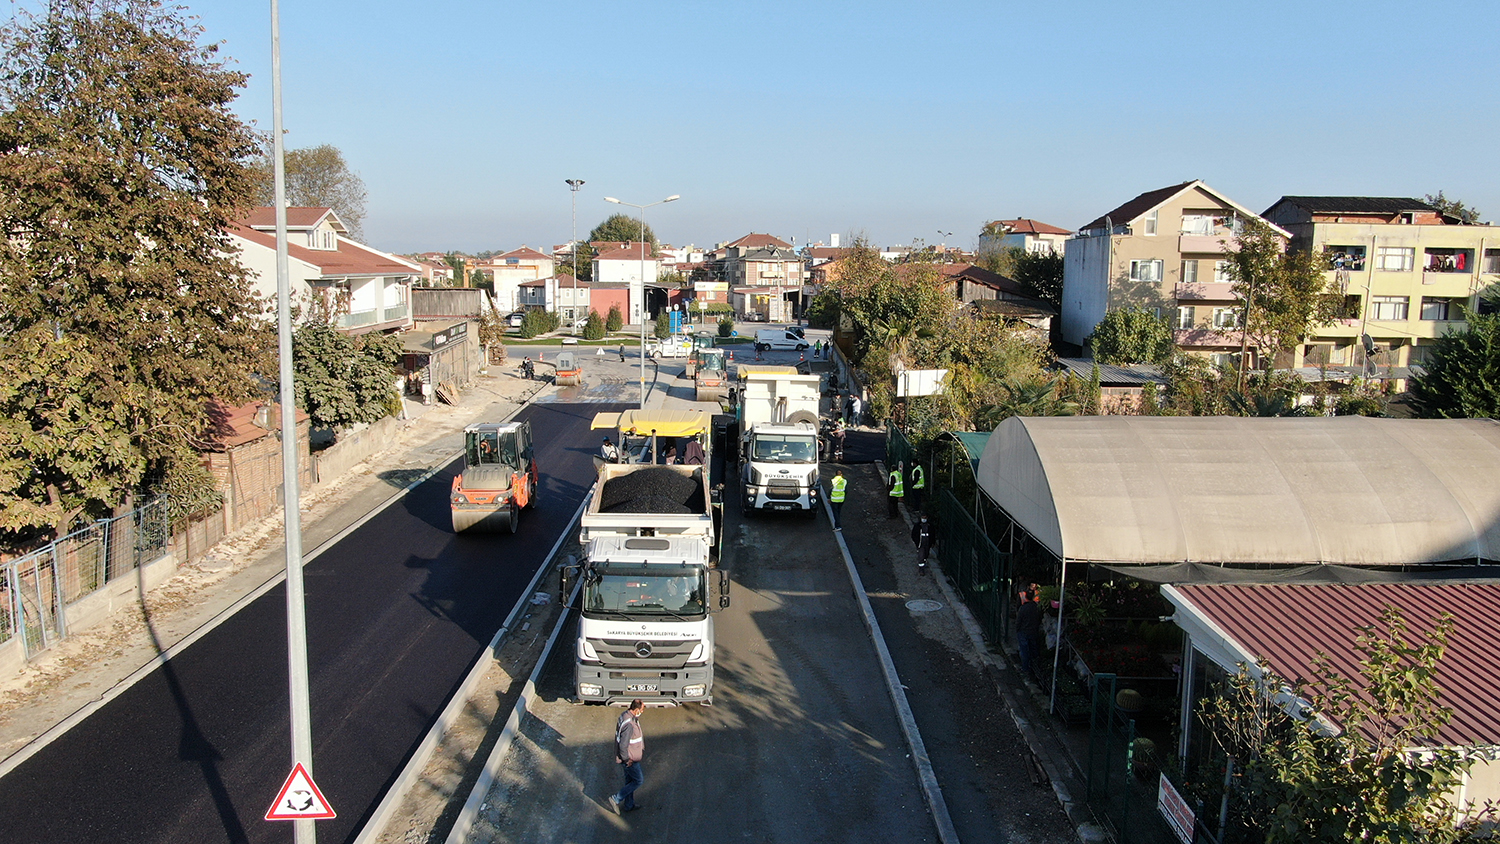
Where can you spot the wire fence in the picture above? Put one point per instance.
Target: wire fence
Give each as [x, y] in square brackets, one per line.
[37, 588]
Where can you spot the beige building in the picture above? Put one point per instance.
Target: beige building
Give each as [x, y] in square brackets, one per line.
[1164, 251]
[1029, 235]
[1404, 268]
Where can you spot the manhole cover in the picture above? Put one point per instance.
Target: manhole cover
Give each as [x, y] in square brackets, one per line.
[923, 605]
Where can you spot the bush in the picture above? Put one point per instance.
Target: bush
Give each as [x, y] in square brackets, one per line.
[614, 322]
[663, 328]
[726, 325]
[1131, 335]
[538, 322]
[594, 328]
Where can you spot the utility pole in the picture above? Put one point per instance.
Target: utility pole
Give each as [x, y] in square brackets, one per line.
[574, 185]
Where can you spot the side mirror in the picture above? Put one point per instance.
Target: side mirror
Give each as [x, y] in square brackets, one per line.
[569, 574]
[723, 589]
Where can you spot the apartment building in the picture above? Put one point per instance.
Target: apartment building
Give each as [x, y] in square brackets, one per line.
[1404, 268]
[1029, 235]
[765, 275]
[1165, 251]
[512, 269]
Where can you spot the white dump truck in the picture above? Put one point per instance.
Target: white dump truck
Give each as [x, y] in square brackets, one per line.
[777, 413]
[650, 577]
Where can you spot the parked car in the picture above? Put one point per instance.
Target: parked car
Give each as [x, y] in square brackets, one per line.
[516, 319]
[778, 338]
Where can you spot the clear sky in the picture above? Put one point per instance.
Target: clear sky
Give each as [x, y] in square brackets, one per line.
[899, 121]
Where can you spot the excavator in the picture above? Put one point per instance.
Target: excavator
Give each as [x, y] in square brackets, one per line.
[499, 479]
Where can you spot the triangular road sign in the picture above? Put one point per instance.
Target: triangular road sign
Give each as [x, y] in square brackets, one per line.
[299, 799]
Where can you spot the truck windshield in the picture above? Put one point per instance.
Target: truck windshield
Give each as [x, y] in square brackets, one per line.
[646, 594]
[783, 448]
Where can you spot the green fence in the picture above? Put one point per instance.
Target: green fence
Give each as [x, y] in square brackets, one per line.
[975, 565]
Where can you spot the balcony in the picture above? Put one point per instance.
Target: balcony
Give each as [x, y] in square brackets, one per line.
[1212, 244]
[359, 319]
[1205, 337]
[395, 312]
[1204, 291]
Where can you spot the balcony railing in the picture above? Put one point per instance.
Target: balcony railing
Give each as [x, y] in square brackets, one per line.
[397, 311]
[359, 319]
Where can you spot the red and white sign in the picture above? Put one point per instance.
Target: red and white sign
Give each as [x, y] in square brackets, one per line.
[299, 799]
[1175, 810]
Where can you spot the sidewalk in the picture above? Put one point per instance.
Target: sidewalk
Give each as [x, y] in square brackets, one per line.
[85, 670]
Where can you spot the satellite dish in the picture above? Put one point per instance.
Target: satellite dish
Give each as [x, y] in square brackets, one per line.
[1369, 343]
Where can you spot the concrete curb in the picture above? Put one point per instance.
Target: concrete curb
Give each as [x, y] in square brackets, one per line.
[932, 793]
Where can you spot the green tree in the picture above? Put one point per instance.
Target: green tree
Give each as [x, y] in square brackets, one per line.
[726, 325]
[342, 379]
[1342, 765]
[1041, 273]
[622, 228]
[1453, 207]
[614, 322]
[1283, 295]
[1131, 335]
[584, 269]
[1461, 376]
[594, 328]
[316, 177]
[663, 327]
[121, 168]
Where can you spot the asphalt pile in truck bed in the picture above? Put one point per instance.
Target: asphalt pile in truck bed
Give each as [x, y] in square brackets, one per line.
[652, 490]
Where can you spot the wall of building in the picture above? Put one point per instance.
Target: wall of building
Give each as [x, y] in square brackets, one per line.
[1085, 295]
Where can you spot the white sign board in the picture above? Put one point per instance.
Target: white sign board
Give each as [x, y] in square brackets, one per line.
[1172, 807]
[920, 382]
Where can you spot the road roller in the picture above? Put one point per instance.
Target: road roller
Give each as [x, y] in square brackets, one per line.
[569, 372]
[499, 479]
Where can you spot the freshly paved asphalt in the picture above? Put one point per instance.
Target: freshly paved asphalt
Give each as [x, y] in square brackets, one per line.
[397, 613]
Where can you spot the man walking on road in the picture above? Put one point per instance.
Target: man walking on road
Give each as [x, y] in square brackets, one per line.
[921, 536]
[836, 498]
[895, 491]
[622, 353]
[629, 744]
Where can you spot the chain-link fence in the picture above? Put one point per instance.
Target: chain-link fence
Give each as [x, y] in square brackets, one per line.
[36, 588]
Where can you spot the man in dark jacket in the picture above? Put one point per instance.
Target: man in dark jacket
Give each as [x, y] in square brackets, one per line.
[630, 744]
[1029, 630]
[921, 536]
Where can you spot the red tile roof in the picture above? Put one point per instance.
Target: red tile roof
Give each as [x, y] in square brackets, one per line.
[297, 218]
[349, 259]
[525, 253]
[760, 241]
[1288, 625]
[1026, 226]
[625, 252]
[230, 426]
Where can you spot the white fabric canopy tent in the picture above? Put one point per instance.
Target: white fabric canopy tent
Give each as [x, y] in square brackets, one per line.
[1349, 490]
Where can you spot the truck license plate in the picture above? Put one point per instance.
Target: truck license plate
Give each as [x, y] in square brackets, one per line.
[781, 506]
[640, 687]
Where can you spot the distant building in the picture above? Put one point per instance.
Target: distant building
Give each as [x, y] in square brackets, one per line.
[1028, 235]
[513, 269]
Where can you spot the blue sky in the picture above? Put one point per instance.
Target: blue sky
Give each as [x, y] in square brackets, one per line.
[898, 121]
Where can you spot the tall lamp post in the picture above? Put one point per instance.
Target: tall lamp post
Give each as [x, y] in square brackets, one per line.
[574, 185]
[642, 208]
[944, 235]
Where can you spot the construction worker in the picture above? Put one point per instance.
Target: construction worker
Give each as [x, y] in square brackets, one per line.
[609, 451]
[836, 497]
[895, 491]
[918, 483]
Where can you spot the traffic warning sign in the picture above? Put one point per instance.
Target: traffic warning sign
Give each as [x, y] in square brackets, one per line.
[299, 799]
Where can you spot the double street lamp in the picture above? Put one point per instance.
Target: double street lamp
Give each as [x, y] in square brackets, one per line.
[574, 185]
[642, 208]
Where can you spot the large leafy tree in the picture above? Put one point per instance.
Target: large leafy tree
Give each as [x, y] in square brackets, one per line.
[317, 177]
[1283, 295]
[341, 379]
[1131, 335]
[1336, 758]
[621, 228]
[121, 166]
[1041, 273]
[1461, 376]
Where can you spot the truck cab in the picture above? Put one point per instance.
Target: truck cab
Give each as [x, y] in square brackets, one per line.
[778, 415]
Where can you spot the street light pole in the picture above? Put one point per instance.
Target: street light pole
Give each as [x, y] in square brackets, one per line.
[574, 185]
[944, 235]
[642, 208]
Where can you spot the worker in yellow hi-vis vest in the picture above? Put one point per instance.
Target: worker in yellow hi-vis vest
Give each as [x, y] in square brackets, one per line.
[895, 490]
[836, 498]
[918, 483]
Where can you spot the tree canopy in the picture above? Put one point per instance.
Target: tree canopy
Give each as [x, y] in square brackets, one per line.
[121, 167]
[1131, 335]
[316, 177]
[340, 379]
[1041, 273]
[1461, 376]
[1283, 295]
[622, 228]
[1453, 207]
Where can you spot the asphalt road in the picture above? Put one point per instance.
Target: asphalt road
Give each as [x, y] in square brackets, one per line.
[397, 612]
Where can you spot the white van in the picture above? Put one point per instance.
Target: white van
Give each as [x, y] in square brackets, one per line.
[778, 338]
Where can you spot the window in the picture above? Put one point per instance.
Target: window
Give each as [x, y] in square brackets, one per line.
[1350, 258]
[1185, 317]
[1145, 270]
[1350, 308]
[1150, 223]
[1395, 259]
[1190, 271]
[1492, 261]
[1448, 260]
[1440, 310]
[1226, 317]
[1221, 272]
[1201, 224]
[1389, 307]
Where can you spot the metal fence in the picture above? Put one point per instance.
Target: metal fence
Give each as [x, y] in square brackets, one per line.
[35, 589]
